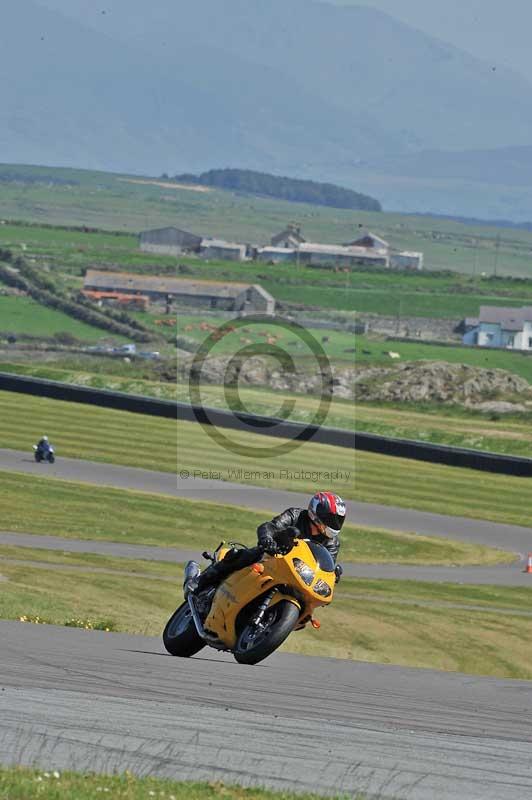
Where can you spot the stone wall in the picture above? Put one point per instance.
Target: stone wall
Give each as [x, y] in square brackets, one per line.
[422, 328]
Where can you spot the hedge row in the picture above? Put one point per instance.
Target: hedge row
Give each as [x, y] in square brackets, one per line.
[42, 289]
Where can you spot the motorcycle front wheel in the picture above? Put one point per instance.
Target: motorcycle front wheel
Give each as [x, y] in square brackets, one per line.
[255, 644]
[180, 636]
[51, 458]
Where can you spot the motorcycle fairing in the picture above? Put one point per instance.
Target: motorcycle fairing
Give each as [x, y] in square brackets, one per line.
[246, 585]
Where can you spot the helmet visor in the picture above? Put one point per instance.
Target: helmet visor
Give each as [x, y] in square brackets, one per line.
[333, 523]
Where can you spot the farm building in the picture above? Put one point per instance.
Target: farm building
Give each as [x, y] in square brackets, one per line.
[406, 259]
[290, 237]
[135, 302]
[275, 255]
[169, 241]
[339, 256]
[238, 297]
[499, 326]
[226, 251]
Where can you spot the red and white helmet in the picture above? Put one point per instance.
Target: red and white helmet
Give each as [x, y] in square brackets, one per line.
[327, 512]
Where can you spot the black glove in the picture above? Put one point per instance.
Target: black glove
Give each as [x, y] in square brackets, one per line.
[269, 545]
[285, 540]
[338, 571]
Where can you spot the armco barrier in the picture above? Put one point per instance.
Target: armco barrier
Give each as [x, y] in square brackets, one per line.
[369, 442]
[442, 454]
[84, 394]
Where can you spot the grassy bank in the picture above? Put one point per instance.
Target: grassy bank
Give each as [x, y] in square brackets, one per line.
[485, 630]
[443, 490]
[18, 783]
[83, 431]
[507, 434]
[24, 315]
[75, 511]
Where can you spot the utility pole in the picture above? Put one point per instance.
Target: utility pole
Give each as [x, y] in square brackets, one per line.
[497, 246]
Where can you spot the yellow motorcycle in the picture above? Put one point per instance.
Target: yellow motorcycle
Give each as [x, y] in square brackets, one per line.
[254, 610]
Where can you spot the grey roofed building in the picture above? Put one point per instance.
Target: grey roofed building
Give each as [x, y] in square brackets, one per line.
[289, 237]
[510, 319]
[241, 297]
[169, 241]
[218, 248]
[370, 240]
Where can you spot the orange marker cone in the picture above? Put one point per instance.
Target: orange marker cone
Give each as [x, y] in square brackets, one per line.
[528, 567]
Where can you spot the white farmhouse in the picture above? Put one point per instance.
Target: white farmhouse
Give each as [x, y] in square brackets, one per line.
[500, 326]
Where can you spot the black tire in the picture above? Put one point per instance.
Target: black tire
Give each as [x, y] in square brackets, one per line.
[281, 620]
[180, 636]
[51, 458]
[37, 458]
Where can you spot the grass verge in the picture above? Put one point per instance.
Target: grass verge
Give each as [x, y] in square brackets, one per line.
[485, 630]
[443, 490]
[18, 783]
[83, 431]
[76, 511]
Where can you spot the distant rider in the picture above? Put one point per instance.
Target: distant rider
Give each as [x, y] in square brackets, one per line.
[43, 445]
[321, 522]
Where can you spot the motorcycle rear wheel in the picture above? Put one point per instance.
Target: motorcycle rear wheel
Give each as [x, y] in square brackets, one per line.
[180, 636]
[279, 622]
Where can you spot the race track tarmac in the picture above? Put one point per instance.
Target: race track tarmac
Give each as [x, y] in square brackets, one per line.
[110, 702]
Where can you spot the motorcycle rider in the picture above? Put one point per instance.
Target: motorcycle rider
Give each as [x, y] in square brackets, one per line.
[43, 445]
[321, 522]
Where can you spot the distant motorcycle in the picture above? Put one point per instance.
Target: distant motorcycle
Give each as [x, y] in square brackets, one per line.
[44, 454]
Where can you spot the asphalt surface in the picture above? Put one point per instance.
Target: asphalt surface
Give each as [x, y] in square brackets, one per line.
[507, 537]
[104, 702]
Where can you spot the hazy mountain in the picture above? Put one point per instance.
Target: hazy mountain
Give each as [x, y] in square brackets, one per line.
[424, 92]
[290, 86]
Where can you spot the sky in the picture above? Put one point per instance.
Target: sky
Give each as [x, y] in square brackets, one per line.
[490, 29]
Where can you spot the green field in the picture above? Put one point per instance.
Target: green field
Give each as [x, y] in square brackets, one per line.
[22, 315]
[373, 353]
[454, 295]
[21, 783]
[113, 202]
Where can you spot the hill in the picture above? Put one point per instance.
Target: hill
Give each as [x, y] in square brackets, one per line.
[283, 188]
[290, 87]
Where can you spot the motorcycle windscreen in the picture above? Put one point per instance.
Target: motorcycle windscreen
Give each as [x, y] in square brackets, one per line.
[322, 556]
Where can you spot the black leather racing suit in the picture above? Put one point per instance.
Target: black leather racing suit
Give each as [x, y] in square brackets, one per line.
[238, 559]
[296, 518]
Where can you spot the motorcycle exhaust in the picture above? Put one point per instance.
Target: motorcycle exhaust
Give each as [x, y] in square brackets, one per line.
[196, 617]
